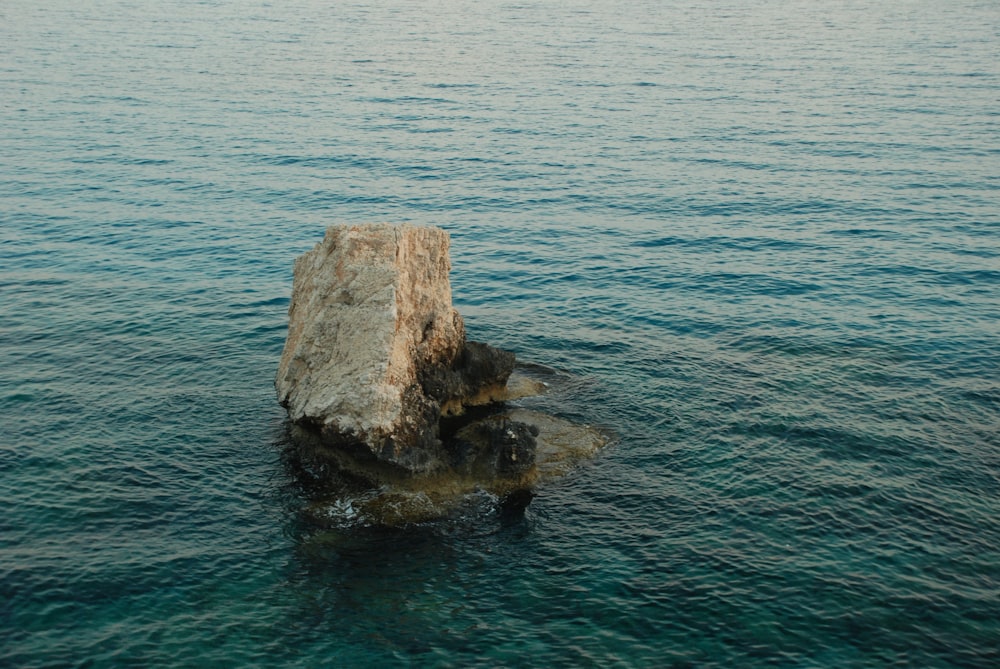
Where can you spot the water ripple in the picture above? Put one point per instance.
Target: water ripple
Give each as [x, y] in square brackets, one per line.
[761, 239]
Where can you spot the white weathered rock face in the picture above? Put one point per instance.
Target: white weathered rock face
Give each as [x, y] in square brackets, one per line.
[374, 346]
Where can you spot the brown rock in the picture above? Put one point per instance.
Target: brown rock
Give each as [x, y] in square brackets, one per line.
[375, 350]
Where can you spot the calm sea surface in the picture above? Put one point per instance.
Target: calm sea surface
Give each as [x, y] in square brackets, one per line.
[762, 237]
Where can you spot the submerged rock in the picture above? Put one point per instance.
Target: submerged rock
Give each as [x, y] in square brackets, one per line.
[495, 445]
[389, 498]
[375, 353]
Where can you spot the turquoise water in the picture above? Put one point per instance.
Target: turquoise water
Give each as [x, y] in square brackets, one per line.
[762, 237]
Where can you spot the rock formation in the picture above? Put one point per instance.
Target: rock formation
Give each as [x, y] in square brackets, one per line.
[376, 354]
[495, 446]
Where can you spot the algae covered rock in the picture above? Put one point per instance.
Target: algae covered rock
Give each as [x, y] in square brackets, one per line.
[495, 446]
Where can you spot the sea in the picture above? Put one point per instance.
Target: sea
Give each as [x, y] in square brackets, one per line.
[760, 240]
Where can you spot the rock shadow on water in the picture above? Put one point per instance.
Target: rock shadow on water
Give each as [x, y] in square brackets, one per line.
[498, 455]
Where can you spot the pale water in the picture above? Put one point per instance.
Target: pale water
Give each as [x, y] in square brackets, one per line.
[762, 237]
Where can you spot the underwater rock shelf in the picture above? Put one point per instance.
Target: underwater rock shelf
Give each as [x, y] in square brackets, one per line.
[377, 374]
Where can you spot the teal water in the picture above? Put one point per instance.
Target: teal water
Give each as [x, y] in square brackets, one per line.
[762, 237]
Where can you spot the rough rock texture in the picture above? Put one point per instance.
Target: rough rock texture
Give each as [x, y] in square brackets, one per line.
[495, 446]
[376, 352]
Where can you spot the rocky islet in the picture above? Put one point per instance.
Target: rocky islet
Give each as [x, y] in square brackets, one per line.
[378, 377]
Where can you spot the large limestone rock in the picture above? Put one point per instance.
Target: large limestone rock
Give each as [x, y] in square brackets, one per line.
[375, 352]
